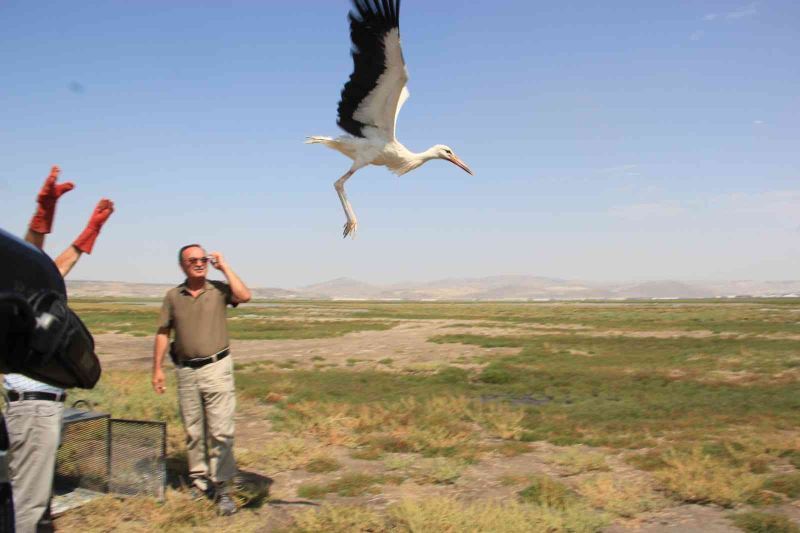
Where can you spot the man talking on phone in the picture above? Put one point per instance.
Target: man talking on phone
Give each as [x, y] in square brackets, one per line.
[195, 311]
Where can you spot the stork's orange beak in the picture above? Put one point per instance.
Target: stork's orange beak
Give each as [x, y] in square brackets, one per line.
[459, 163]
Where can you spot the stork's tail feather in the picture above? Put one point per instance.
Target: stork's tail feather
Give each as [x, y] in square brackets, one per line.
[315, 139]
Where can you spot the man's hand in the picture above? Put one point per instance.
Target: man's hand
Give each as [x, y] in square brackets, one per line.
[85, 241]
[42, 221]
[158, 381]
[217, 261]
[239, 292]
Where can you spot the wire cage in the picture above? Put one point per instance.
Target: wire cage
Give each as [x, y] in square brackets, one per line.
[100, 454]
[82, 460]
[137, 460]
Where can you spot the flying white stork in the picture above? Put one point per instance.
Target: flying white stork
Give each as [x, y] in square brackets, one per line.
[372, 98]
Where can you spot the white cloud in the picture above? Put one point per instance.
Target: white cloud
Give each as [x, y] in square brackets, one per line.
[749, 10]
[696, 36]
[745, 11]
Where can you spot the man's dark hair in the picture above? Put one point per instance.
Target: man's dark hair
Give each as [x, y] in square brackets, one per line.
[180, 252]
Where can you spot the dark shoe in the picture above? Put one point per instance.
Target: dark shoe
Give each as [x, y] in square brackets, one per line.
[225, 505]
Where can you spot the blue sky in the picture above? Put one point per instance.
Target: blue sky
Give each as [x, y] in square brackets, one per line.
[610, 140]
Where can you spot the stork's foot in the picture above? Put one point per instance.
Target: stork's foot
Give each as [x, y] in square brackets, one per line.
[350, 228]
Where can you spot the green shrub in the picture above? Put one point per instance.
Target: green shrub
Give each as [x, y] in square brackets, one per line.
[451, 375]
[788, 484]
[322, 464]
[497, 373]
[544, 490]
[755, 522]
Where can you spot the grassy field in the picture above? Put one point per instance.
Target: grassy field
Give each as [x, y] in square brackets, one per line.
[571, 417]
[251, 322]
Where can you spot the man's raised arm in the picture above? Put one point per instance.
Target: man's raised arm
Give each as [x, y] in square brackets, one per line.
[42, 222]
[239, 291]
[85, 241]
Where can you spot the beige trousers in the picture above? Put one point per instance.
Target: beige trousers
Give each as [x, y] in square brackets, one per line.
[34, 432]
[207, 402]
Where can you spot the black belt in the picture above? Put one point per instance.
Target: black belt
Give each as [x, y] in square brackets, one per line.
[203, 361]
[14, 396]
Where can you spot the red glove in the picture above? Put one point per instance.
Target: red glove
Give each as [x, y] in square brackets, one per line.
[85, 241]
[42, 221]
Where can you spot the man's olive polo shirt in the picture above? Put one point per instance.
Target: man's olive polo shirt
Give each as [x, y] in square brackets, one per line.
[199, 323]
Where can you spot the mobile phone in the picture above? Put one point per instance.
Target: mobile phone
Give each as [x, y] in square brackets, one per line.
[212, 260]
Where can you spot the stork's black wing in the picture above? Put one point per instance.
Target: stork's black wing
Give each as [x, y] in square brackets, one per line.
[377, 87]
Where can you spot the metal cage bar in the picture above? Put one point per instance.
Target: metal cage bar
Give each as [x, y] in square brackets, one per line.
[81, 460]
[138, 457]
[103, 454]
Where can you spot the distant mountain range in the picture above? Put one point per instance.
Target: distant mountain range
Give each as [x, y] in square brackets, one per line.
[465, 289]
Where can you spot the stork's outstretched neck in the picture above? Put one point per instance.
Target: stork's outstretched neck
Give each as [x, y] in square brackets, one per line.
[406, 160]
[401, 160]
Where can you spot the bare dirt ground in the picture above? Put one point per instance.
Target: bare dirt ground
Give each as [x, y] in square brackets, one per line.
[408, 344]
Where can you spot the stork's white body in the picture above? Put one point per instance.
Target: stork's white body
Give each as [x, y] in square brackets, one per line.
[372, 99]
[392, 154]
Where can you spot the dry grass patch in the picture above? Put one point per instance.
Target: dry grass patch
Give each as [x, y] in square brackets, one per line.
[622, 497]
[753, 451]
[697, 477]
[499, 420]
[458, 438]
[399, 462]
[331, 424]
[278, 455]
[648, 460]
[367, 454]
[786, 484]
[510, 449]
[350, 484]
[274, 397]
[452, 516]
[442, 425]
[424, 367]
[108, 514]
[129, 395]
[322, 464]
[508, 480]
[546, 491]
[755, 522]
[338, 519]
[575, 460]
[439, 470]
